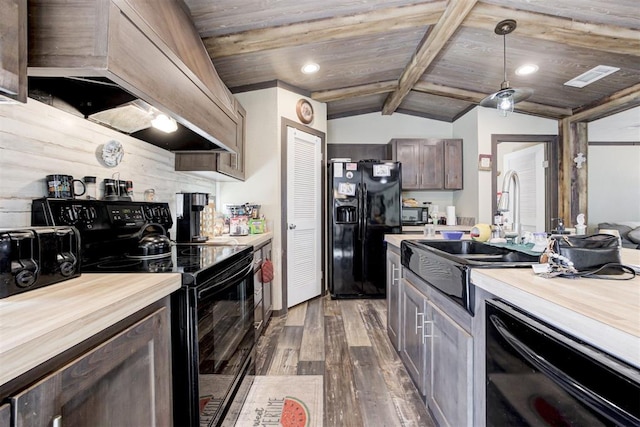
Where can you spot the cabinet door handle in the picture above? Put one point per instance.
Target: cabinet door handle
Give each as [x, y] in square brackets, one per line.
[430, 335]
[257, 325]
[57, 421]
[394, 279]
[419, 325]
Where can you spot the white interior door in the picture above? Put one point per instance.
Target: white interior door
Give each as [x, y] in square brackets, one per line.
[304, 216]
[529, 165]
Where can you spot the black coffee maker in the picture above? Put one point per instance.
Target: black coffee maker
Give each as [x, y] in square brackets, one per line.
[189, 209]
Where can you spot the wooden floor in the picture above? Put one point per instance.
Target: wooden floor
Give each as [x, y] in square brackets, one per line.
[365, 383]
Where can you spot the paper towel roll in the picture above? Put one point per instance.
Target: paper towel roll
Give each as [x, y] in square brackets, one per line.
[451, 215]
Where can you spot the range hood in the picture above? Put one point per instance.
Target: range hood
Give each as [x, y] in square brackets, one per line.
[106, 103]
[115, 63]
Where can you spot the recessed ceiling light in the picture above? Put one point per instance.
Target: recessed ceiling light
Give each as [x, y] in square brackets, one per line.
[310, 68]
[526, 69]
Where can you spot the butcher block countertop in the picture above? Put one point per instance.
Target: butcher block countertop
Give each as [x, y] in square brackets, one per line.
[603, 313]
[255, 240]
[40, 324]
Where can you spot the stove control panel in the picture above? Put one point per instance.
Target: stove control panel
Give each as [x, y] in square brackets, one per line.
[94, 215]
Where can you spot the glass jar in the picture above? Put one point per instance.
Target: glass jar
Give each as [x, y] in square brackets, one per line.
[91, 187]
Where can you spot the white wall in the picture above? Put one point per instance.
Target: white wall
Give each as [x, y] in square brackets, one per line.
[613, 173]
[37, 140]
[614, 184]
[624, 126]
[466, 201]
[265, 108]
[374, 128]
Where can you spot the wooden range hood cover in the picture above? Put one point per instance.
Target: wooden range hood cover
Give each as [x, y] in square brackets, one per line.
[97, 55]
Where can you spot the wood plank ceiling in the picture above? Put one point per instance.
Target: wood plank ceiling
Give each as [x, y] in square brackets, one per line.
[434, 59]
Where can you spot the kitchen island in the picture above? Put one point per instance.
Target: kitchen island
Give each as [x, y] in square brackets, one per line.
[443, 346]
[604, 313]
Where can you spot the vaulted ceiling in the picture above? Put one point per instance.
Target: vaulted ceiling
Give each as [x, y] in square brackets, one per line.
[434, 59]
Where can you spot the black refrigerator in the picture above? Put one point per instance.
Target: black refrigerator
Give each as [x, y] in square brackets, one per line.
[365, 199]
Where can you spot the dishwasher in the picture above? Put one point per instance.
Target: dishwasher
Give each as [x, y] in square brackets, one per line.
[537, 375]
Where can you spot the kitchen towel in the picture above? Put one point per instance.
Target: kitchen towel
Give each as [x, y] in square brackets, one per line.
[451, 215]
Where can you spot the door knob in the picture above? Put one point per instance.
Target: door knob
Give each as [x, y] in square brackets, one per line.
[292, 226]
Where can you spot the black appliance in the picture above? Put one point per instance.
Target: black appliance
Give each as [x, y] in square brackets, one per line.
[33, 257]
[213, 342]
[212, 313]
[415, 216]
[537, 375]
[364, 205]
[189, 209]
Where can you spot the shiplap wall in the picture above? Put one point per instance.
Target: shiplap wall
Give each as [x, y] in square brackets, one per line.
[37, 140]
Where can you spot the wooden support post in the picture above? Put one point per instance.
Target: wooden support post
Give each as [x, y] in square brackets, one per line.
[572, 174]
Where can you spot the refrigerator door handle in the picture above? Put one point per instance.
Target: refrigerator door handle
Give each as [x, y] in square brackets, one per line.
[360, 215]
[365, 211]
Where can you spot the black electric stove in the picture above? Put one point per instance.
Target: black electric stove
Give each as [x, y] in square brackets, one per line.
[196, 262]
[212, 314]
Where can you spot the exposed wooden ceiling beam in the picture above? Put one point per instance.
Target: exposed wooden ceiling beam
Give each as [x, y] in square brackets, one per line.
[375, 22]
[355, 91]
[447, 25]
[476, 97]
[608, 38]
[614, 103]
[438, 90]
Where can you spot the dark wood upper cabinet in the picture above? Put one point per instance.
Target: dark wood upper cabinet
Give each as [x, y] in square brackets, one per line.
[429, 164]
[13, 50]
[218, 165]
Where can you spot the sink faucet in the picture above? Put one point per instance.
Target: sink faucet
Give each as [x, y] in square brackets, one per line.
[503, 204]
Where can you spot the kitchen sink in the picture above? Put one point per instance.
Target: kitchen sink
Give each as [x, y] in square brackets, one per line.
[478, 254]
[446, 264]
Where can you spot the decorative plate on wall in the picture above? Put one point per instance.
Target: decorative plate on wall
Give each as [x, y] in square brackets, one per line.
[304, 110]
[112, 153]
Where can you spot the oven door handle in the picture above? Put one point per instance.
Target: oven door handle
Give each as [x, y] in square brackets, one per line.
[223, 284]
[562, 379]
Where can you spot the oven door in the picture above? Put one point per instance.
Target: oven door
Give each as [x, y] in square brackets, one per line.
[214, 353]
[537, 376]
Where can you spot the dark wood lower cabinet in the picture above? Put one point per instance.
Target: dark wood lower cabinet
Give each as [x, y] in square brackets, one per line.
[125, 381]
[5, 415]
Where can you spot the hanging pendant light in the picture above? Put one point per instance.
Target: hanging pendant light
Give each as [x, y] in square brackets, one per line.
[506, 97]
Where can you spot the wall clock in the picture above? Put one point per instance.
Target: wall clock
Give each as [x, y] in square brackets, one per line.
[304, 110]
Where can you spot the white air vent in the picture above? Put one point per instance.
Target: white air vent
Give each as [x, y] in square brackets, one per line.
[591, 76]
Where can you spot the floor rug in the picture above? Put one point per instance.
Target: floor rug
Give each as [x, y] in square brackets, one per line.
[284, 400]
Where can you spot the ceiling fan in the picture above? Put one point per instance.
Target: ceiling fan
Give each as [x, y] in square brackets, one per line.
[506, 97]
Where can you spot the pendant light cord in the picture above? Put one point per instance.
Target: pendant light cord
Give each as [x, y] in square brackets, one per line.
[504, 56]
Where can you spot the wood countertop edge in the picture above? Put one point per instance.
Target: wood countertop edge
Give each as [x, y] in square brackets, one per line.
[251, 240]
[608, 338]
[52, 338]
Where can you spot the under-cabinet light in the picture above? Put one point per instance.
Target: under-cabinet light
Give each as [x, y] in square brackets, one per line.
[164, 123]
